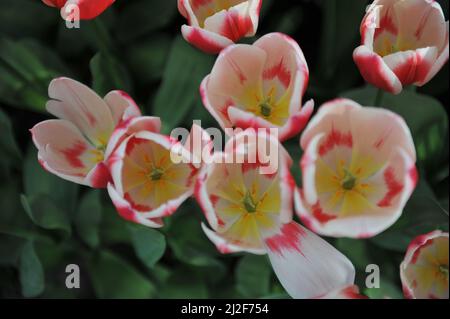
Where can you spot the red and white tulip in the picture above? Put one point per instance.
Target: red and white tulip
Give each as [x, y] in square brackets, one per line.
[87, 9]
[404, 42]
[215, 24]
[260, 86]
[76, 146]
[424, 271]
[251, 211]
[153, 174]
[358, 170]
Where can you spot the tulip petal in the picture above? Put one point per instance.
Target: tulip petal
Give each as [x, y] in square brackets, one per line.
[128, 213]
[207, 41]
[88, 9]
[233, 23]
[441, 60]
[130, 126]
[78, 104]
[122, 106]
[224, 246]
[63, 148]
[375, 71]
[306, 265]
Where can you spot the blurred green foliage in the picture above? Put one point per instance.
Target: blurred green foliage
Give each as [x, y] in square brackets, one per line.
[47, 223]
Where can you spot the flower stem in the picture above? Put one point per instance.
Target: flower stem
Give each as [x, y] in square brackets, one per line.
[379, 97]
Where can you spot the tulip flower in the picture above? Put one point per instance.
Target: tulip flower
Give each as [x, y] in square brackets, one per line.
[260, 86]
[424, 271]
[250, 210]
[153, 174]
[215, 24]
[88, 9]
[358, 170]
[75, 146]
[404, 42]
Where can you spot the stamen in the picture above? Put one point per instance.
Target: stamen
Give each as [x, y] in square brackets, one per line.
[349, 181]
[266, 109]
[156, 174]
[249, 204]
[444, 270]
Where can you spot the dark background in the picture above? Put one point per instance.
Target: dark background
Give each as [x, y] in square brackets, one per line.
[47, 223]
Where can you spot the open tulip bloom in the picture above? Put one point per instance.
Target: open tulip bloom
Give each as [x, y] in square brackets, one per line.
[260, 86]
[249, 210]
[147, 184]
[358, 170]
[424, 271]
[215, 24]
[87, 9]
[404, 42]
[76, 146]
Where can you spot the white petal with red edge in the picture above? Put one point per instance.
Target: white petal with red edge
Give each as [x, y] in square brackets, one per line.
[306, 265]
[207, 41]
[122, 106]
[127, 212]
[130, 126]
[375, 71]
[225, 247]
[80, 105]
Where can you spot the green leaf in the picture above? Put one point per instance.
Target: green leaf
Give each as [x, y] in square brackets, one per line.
[10, 249]
[44, 213]
[387, 290]
[114, 278]
[188, 242]
[113, 228]
[31, 272]
[88, 218]
[356, 250]
[253, 276]
[25, 76]
[109, 74]
[147, 58]
[184, 283]
[185, 69]
[19, 18]
[150, 15]
[149, 244]
[39, 182]
[11, 155]
[425, 116]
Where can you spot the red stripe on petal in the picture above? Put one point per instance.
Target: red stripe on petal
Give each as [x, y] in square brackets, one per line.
[393, 185]
[205, 44]
[386, 24]
[236, 26]
[280, 72]
[371, 69]
[74, 153]
[320, 215]
[288, 239]
[135, 206]
[335, 138]
[101, 176]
